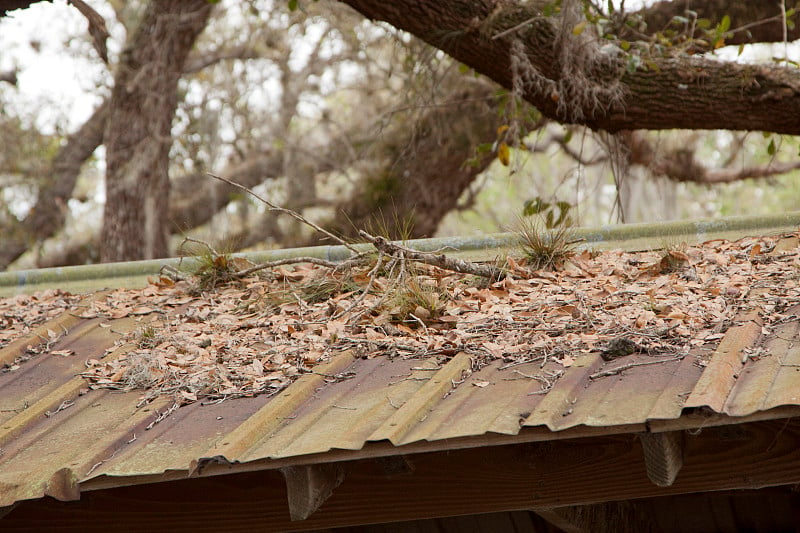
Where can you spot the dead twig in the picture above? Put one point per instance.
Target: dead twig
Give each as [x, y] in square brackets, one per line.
[66, 404]
[438, 260]
[293, 214]
[162, 416]
[628, 366]
[287, 261]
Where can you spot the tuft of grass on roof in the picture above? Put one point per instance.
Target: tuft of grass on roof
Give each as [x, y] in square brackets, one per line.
[673, 258]
[545, 248]
[414, 301]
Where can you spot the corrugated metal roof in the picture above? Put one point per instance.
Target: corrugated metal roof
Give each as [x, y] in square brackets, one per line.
[58, 439]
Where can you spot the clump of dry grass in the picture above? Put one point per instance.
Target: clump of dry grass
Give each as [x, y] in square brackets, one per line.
[413, 301]
[142, 371]
[673, 258]
[214, 269]
[545, 248]
[148, 337]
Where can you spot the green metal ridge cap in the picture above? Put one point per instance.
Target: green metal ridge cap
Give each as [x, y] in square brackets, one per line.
[637, 236]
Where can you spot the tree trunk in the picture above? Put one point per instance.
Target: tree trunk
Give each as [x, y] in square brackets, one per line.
[48, 215]
[138, 136]
[661, 93]
[423, 168]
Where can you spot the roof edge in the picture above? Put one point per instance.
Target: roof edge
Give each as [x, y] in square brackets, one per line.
[214, 466]
[637, 236]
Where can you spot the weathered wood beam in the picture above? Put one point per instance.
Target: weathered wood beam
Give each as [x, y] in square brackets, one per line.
[663, 456]
[396, 465]
[308, 486]
[612, 517]
[449, 482]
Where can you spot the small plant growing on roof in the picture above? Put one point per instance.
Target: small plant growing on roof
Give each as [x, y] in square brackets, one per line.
[148, 337]
[545, 248]
[674, 257]
[213, 268]
[414, 301]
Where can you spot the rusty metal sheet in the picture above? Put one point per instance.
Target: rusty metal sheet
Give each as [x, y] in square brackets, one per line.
[352, 403]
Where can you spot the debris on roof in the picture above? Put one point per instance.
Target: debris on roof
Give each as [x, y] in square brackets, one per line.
[389, 365]
[20, 314]
[257, 334]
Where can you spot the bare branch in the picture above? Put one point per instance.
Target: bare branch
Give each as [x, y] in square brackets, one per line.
[293, 214]
[437, 260]
[197, 63]
[680, 164]
[9, 76]
[97, 28]
[728, 175]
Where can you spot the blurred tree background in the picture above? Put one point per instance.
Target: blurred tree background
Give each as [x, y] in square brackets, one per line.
[354, 123]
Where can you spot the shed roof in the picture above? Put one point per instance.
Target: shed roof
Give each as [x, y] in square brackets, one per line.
[58, 438]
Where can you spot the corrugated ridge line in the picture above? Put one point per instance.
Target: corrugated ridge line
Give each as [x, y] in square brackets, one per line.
[758, 377]
[396, 427]
[51, 399]
[245, 438]
[346, 414]
[719, 377]
[476, 408]
[43, 466]
[559, 400]
[341, 416]
[63, 322]
[785, 389]
[670, 403]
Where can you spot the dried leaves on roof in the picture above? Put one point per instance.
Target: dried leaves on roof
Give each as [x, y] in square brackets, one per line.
[257, 334]
[19, 315]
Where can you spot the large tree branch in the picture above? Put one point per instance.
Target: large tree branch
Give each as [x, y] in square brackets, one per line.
[9, 76]
[662, 93]
[681, 165]
[11, 5]
[195, 198]
[49, 213]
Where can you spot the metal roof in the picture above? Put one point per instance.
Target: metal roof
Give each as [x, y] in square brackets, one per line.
[57, 438]
[101, 439]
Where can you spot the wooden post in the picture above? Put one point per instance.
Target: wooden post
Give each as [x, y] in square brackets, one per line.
[663, 456]
[308, 486]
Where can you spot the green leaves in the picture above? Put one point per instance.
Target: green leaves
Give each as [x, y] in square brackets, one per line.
[721, 32]
[724, 24]
[548, 210]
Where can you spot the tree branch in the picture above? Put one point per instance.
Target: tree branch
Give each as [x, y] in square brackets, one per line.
[289, 212]
[9, 76]
[680, 164]
[755, 21]
[438, 260]
[198, 62]
[662, 93]
[49, 213]
[97, 27]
